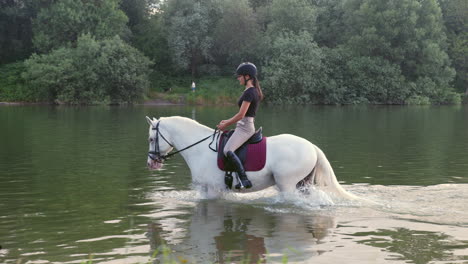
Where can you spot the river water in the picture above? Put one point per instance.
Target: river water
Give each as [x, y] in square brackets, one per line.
[74, 186]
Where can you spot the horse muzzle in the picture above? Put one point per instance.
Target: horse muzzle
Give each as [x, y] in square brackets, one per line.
[155, 162]
[154, 165]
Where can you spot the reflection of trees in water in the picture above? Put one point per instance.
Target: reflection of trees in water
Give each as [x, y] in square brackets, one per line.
[235, 240]
[221, 232]
[418, 246]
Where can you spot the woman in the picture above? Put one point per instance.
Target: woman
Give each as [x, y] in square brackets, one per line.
[244, 119]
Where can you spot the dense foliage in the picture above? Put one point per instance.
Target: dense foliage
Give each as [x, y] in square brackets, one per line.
[308, 51]
[61, 23]
[296, 72]
[455, 13]
[108, 71]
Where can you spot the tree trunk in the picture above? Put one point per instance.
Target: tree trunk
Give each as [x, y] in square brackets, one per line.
[194, 70]
[193, 62]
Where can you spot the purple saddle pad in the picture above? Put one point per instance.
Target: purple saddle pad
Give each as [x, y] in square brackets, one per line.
[255, 156]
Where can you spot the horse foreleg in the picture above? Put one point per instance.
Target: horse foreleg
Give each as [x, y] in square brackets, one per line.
[209, 182]
[207, 191]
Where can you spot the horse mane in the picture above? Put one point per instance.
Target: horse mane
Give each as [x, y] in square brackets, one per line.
[185, 121]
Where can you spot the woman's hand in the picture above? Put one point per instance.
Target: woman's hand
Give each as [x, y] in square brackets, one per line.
[222, 125]
[241, 114]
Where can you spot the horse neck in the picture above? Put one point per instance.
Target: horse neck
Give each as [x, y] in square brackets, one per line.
[185, 132]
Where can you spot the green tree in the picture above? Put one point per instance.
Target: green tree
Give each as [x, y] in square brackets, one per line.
[145, 22]
[374, 80]
[236, 34]
[12, 87]
[105, 71]
[255, 4]
[150, 37]
[138, 11]
[190, 26]
[455, 14]
[61, 23]
[16, 28]
[408, 33]
[294, 72]
[292, 16]
[353, 79]
[331, 27]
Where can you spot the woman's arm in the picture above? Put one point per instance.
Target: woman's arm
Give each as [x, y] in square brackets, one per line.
[241, 114]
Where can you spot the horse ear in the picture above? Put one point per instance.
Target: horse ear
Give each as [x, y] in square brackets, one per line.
[150, 122]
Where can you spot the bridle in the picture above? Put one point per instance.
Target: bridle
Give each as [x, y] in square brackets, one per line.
[156, 154]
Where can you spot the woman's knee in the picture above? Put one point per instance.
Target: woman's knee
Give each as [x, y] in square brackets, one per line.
[226, 150]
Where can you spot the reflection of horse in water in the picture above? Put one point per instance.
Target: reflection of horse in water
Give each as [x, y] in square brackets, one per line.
[291, 161]
[219, 231]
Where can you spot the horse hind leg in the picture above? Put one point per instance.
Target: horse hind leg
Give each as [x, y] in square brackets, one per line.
[304, 184]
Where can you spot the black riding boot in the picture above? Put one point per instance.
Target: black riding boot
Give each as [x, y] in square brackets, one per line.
[245, 182]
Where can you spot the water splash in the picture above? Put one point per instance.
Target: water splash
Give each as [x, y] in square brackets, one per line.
[269, 199]
[438, 203]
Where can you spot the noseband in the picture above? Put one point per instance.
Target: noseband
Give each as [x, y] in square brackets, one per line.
[156, 154]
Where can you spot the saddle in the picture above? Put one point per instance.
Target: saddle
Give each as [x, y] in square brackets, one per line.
[252, 153]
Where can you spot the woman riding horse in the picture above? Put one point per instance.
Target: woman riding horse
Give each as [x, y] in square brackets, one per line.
[246, 74]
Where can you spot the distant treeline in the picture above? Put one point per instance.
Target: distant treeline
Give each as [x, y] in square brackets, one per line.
[307, 51]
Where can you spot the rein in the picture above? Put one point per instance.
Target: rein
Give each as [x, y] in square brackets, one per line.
[156, 154]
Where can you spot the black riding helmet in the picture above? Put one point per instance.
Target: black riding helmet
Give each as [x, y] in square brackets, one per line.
[247, 68]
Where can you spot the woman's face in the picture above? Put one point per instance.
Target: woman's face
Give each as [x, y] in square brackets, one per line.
[241, 79]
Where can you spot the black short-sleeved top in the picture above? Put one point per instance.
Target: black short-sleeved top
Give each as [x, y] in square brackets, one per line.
[250, 95]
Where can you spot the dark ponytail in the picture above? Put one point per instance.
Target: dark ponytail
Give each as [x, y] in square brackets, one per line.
[259, 89]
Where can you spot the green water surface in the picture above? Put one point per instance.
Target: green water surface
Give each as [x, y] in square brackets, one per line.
[74, 182]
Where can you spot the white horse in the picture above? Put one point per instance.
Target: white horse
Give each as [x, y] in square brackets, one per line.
[291, 161]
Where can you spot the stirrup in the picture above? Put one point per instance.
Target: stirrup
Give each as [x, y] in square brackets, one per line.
[244, 184]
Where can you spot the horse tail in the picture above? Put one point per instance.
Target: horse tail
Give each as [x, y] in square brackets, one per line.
[323, 176]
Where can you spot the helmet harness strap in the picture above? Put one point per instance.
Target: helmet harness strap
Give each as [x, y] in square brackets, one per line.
[250, 78]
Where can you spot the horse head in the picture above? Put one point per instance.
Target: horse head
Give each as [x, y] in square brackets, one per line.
[159, 144]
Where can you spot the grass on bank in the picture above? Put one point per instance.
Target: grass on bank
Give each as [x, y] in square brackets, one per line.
[213, 90]
[210, 90]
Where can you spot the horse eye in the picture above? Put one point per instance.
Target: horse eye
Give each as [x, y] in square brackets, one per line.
[150, 139]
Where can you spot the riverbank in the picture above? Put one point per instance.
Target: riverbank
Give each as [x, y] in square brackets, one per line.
[191, 98]
[24, 103]
[161, 99]
[170, 100]
[209, 90]
[177, 91]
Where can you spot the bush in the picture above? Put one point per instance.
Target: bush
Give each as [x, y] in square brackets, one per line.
[107, 71]
[295, 70]
[375, 80]
[12, 86]
[418, 100]
[448, 97]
